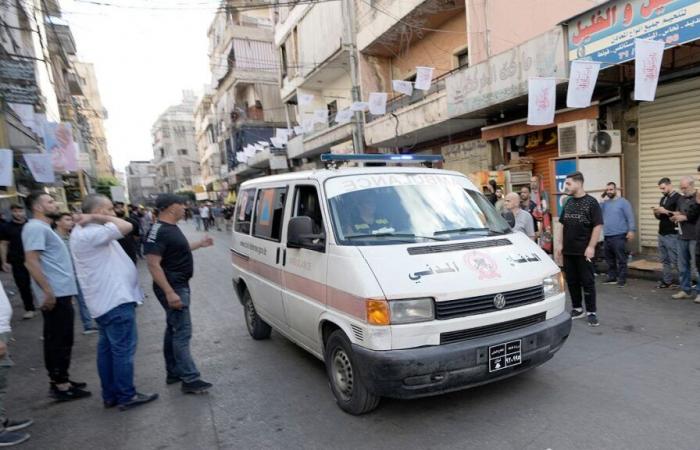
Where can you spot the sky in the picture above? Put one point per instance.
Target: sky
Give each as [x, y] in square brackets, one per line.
[144, 57]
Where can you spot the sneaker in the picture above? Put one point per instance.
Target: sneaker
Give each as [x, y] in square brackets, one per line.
[77, 384]
[69, 394]
[29, 315]
[577, 313]
[109, 403]
[196, 387]
[621, 285]
[9, 438]
[593, 320]
[90, 331]
[16, 425]
[137, 400]
[610, 281]
[662, 285]
[172, 380]
[697, 299]
[682, 295]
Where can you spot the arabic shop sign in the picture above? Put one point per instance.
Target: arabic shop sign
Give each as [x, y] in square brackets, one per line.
[17, 82]
[607, 34]
[504, 77]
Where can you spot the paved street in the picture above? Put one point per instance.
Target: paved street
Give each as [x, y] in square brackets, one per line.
[632, 383]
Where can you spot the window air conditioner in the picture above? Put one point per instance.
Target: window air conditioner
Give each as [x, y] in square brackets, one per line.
[605, 142]
[574, 137]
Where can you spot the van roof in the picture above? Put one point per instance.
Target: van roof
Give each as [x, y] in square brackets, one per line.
[322, 175]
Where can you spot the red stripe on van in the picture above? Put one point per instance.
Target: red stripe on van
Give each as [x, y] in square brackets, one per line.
[318, 292]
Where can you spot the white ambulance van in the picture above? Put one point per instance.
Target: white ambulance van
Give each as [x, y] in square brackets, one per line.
[405, 281]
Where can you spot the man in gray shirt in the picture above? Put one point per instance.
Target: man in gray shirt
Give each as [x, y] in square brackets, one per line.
[53, 282]
[523, 219]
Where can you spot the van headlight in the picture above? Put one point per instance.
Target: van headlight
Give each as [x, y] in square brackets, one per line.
[553, 285]
[411, 311]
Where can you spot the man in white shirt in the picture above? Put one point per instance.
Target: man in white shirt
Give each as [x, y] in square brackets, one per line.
[110, 285]
[206, 216]
[523, 219]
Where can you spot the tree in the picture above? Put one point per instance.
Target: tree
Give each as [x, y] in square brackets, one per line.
[103, 185]
[189, 195]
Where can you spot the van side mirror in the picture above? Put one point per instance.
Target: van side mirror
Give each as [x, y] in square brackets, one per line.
[300, 234]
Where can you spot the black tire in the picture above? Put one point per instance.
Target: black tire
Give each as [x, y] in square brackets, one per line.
[257, 327]
[349, 390]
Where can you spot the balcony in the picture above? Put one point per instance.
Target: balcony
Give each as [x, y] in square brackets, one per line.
[421, 117]
[388, 25]
[309, 145]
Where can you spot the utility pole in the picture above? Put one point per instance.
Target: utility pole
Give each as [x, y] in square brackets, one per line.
[358, 141]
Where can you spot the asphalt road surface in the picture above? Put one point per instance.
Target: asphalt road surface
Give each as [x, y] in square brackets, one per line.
[632, 383]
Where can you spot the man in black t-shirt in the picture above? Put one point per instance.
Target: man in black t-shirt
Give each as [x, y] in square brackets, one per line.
[131, 240]
[582, 222]
[668, 232]
[12, 253]
[170, 262]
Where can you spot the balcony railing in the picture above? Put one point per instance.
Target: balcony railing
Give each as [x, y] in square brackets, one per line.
[402, 100]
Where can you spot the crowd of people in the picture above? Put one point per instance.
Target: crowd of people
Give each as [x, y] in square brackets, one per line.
[92, 256]
[586, 221]
[209, 216]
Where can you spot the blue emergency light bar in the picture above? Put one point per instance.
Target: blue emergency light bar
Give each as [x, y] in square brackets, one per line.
[374, 157]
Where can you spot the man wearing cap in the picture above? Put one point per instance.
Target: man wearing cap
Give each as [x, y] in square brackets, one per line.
[169, 257]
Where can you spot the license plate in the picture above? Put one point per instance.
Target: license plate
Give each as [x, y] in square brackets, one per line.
[506, 355]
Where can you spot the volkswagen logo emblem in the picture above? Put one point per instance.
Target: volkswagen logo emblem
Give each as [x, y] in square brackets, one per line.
[499, 301]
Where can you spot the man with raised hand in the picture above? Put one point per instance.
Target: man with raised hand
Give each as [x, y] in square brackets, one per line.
[110, 284]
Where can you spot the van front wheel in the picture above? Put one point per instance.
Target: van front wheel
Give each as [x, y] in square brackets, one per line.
[350, 392]
[257, 327]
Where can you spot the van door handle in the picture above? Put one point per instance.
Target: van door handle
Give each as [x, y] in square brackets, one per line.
[277, 260]
[284, 257]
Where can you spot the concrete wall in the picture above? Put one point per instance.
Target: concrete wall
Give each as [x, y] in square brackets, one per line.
[435, 49]
[498, 25]
[376, 18]
[320, 35]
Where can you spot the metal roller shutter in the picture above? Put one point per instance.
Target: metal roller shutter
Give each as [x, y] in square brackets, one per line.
[669, 146]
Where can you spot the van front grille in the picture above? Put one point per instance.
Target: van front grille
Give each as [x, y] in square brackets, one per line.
[428, 249]
[490, 330]
[485, 303]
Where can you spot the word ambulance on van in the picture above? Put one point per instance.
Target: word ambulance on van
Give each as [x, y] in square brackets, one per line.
[405, 281]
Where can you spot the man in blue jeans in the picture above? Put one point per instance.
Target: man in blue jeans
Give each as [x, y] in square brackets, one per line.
[686, 217]
[110, 285]
[618, 228]
[169, 257]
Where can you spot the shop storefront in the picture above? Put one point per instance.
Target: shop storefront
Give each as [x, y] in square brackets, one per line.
[661, 135]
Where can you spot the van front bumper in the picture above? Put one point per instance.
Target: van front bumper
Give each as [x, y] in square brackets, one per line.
[424, 371]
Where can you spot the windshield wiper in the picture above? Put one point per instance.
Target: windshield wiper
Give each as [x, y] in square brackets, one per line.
[398, 235]
[461, 230]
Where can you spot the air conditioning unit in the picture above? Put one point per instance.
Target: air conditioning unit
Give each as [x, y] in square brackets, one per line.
[605, 142]
[573, 137]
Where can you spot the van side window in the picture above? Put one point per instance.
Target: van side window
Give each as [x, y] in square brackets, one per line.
[244, 211]
[307, 204]
[269, 212]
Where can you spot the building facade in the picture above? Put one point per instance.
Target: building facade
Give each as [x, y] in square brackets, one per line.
[242, 107]
[174, 146]
[141, 182]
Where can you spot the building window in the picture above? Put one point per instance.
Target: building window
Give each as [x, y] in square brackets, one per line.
[187, 171]
[182, 151]
[332, 110]
[283, 57]
[462, 58]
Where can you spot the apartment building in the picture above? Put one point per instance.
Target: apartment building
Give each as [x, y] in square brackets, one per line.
[141, 182]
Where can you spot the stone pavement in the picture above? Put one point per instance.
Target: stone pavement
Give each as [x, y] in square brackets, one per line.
[632, 383]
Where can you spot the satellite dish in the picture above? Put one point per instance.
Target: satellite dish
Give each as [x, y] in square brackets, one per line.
[601, 142]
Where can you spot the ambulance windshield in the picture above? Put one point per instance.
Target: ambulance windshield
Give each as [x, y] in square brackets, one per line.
[399, 208]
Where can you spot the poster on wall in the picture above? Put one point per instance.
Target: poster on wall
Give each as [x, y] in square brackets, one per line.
[562, 168]
[541, 101]
[6, 167]
[58, 140]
